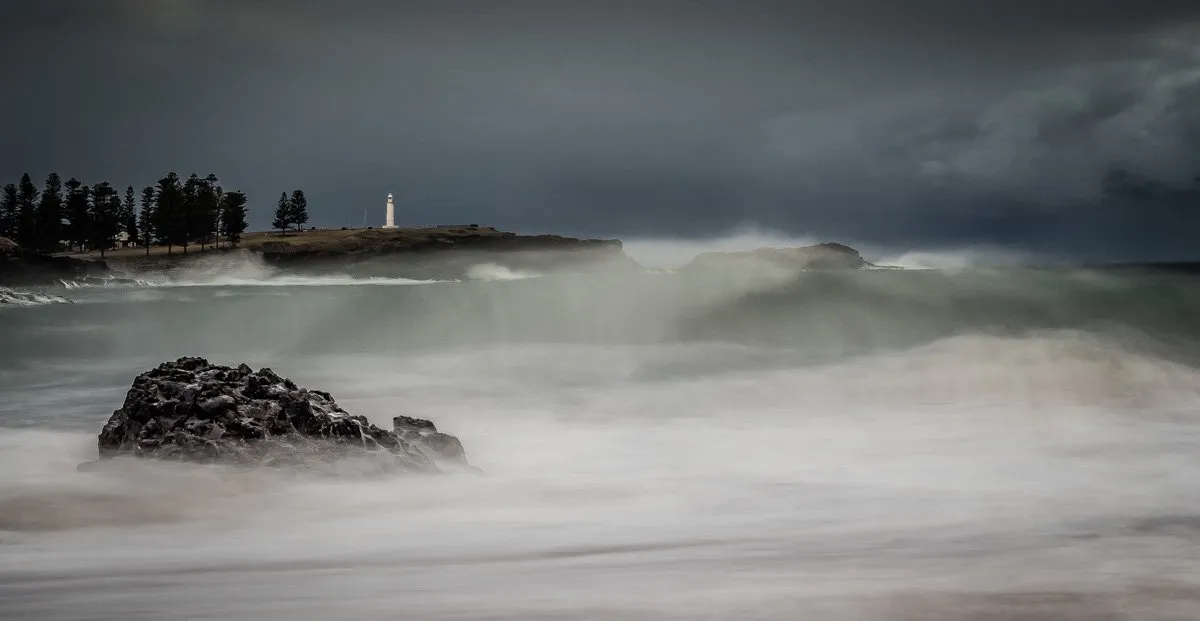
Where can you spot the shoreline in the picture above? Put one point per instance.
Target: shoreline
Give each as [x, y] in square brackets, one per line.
[443, 251]
[447, 252]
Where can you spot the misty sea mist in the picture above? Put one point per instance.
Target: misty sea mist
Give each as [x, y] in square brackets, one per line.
[969, 444]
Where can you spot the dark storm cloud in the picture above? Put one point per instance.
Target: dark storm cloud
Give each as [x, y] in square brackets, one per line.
[926, 122]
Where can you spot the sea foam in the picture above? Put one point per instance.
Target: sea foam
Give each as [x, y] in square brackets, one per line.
[11, 297]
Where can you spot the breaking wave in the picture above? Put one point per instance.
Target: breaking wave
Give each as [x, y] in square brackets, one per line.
[242, 269]
[299, 281]
[899, 444]
[110, 281]
[10, 297]
[492, 271]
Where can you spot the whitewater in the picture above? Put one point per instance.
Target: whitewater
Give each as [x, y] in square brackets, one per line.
[969, 444]
[13, 297]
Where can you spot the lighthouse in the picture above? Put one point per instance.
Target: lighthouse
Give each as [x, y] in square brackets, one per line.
[391, 213]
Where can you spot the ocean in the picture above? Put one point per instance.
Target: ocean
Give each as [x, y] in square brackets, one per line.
[920, 445]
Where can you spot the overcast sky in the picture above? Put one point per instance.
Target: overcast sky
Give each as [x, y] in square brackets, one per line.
[896, 123]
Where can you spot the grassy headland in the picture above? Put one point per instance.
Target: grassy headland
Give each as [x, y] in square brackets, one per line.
[403, 251]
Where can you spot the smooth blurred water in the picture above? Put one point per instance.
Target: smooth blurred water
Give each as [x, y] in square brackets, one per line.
[971, 445]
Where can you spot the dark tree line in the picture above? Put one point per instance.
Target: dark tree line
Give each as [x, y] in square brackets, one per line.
[173, 212]
[291, 210]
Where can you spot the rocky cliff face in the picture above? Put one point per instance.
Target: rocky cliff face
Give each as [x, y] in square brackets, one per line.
[818, 257]
[441, 253]
[191, 410]
[21, 267]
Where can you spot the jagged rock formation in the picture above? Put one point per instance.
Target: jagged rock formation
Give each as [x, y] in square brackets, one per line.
[191, 410]
[819, 257]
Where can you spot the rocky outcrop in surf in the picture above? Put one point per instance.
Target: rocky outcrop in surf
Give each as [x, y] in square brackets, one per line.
[827, 256]
[191, 410]
[22, 267]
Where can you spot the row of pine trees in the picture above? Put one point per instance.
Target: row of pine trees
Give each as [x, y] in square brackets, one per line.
[292, 210]
[173, 212]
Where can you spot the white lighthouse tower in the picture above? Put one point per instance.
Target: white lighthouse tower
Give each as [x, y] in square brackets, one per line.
[391, 213]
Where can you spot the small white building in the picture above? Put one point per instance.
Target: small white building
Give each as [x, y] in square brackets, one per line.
[390, 223]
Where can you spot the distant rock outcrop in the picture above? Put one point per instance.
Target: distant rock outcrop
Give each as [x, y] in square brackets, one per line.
[190, 410]
[23, 267]
[819, 257]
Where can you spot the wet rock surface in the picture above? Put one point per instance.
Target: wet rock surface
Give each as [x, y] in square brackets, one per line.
[191, 410]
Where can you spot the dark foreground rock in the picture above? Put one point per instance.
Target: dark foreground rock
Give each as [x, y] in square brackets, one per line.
[190, 410]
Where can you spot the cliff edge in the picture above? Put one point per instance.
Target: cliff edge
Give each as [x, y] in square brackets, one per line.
[22, 267]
